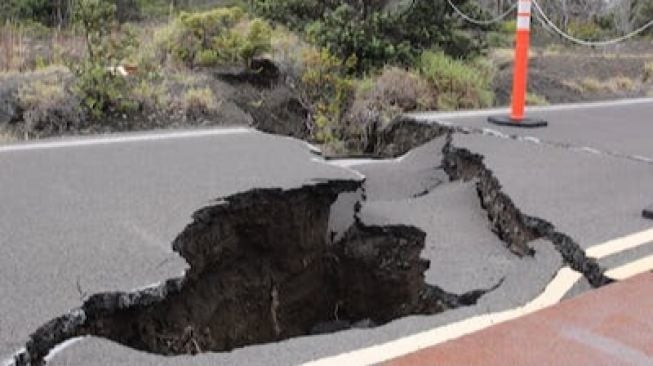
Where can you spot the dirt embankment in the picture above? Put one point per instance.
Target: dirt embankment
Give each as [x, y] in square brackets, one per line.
[43, 104]
[569, 75]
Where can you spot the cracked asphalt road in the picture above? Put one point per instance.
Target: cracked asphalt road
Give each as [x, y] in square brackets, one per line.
[78, 220]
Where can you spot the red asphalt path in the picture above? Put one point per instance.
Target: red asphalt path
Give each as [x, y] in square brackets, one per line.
[609, 326]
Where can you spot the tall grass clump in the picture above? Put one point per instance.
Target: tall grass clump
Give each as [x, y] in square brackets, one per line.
[458, 84]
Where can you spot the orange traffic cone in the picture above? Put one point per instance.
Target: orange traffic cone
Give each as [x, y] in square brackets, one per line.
[520, 75]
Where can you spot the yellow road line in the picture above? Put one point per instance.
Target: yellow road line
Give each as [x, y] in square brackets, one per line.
[552, 294]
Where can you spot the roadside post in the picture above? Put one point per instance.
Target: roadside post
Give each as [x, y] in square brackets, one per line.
[520, 75]
[648, 212]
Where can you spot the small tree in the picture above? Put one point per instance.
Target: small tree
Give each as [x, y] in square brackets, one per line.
[97, 84]
[373, 35]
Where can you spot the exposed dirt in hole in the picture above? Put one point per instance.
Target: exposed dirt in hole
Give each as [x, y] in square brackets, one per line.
[263, 268]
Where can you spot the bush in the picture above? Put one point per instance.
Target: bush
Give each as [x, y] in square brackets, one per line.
[47, 106]
[150, 95]
[98, 87]
[508, 27]
[459, 84]
[380, 99]
[398, 88]
[500, 40]
[365, 32]
[219, 36]
[326, 89]
[588, 30]
[200, 102]
[362, 40]
[296, 14]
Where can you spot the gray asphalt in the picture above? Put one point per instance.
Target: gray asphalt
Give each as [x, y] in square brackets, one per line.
[626, 129]
[103, 216]
[80, 220]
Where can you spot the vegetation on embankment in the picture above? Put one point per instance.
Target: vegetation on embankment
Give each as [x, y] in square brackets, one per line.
[328, 71]
[339, 67]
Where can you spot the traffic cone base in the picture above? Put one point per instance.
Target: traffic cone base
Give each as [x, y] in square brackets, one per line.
[524, 123]
[648, 212]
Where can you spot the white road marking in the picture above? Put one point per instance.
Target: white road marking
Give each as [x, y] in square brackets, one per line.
[620, 244]
[60, 347]
[557, 288]
[631, 269]
[552, 108]
[564, 280]
[112, 139]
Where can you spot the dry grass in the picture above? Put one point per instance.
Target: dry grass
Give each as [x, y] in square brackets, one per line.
[591, 85]
[28, 47]
[536, 99]
[621, 83]
[648, 71]
[613, 85]
[6, 138]
[200, 101]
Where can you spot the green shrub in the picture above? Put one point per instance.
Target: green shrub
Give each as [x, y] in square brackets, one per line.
[296, 14]
[99, 88]
[325, 87]
[459, 84]
[219, 36]
[207, 58]
[149, 95]
[508, 27]
[366, 32]
[588, 30]
[198, 102]
[500, 39]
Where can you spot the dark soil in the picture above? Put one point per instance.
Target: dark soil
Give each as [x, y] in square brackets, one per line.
[552, 72]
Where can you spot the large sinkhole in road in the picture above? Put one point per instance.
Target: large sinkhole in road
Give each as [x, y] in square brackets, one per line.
[271, 264]
[266, 265]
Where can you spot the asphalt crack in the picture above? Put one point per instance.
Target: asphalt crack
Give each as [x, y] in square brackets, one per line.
[265, 265]
[263, 268]
[506, 220]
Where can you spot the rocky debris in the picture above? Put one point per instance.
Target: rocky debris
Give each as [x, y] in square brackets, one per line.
[263, 268]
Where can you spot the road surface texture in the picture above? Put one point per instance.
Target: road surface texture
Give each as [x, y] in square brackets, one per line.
[512, 220]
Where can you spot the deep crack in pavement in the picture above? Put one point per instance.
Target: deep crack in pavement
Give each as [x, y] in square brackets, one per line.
[261, 270]
[267, 264]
